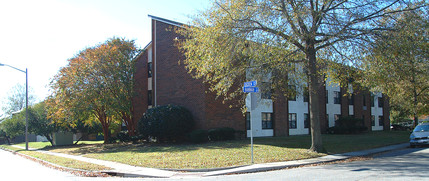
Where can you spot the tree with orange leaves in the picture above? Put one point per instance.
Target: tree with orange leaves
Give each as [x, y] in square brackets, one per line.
[97, 84]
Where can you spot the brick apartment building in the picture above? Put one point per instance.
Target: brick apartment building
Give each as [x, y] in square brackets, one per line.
[161, 80]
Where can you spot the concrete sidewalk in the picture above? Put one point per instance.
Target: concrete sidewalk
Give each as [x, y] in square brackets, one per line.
[125, 170]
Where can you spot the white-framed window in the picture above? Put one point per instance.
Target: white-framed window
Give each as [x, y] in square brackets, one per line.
[292, 121]
[337, 97]
[306, 120]
[267, 121]
[380, 121]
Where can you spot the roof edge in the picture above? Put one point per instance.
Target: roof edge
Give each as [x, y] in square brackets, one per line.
[166, 21]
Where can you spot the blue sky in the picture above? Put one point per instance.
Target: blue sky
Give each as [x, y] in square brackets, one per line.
[41, 35]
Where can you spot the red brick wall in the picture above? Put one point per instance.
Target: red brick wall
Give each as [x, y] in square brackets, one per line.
[280, 110]
[219, 114]
[386, 112]
[358, 107]
[140, 101]
[344, 102]
[173, 83]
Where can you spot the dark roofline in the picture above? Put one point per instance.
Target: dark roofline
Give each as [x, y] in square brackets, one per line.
[166, 21]
[142, 51]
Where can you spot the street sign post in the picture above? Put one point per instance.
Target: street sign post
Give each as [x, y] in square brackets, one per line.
[250, 87]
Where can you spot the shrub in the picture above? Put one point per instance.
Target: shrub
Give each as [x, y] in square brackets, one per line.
[124, 137]
[199, 136]
[166, 123]
[221, 134]
[348, 125]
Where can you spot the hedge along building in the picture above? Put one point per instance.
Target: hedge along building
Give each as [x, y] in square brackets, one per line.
[161, 80]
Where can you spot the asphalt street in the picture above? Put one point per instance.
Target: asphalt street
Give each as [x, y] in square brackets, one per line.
[14, 167]
[405, 164]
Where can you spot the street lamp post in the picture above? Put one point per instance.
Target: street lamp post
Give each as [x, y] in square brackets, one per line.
[26, 101]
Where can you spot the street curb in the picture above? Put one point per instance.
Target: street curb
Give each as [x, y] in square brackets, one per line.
[305, 162]
[204, 169]
[74, 171]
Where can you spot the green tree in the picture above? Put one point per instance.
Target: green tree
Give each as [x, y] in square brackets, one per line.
[117, 67]
[3, 135]
[97, 84]
[276, 37]
[38, 122]
[398, 63]
[14, 125]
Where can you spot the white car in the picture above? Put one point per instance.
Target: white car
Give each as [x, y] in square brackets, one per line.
[420, 135]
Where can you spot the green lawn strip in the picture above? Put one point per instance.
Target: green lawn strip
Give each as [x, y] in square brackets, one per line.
[349, 143]
[230, 153]
[40, 145]
[35, 145]
[65, 162]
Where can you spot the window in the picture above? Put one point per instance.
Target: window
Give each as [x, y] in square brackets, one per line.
[380, 121]
[306, 120]
[267, 122]
[372, 100]
[327, 97]
[306, 94]
[337, 97]
[247, 117]
[336, 117]
[380, 102]
[372, 120]
[266, 90]
[149, 97]
[149, 69]
[292, 120]
[351, 99]
[292, 93]
[364, 101]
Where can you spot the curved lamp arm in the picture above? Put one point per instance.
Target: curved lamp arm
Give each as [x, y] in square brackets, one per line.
[13, 67]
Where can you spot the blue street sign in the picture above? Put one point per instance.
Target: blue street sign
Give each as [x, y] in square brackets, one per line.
[250, 89]
[250, 84]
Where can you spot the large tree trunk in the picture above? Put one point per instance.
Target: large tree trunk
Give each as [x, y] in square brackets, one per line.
[416, 117]
[106, 133]
[315, 82]
[131, 125]
[49, 138]
[102, 117]
[415, 102]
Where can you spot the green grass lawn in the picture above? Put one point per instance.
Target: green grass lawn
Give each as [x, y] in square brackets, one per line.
[229, 153]
[40, 145]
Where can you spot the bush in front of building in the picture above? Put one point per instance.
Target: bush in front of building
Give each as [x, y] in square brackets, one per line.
[348, 125]
[166, 123]
[199, 136]
[124, 137]
[221, 134]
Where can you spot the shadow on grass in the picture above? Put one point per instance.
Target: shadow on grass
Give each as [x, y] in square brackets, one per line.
[333, 144]
[149, 147]
[174, 147]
